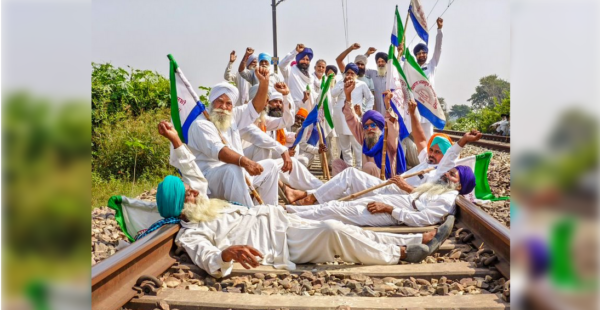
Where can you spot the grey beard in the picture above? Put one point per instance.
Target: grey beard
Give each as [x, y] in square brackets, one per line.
[295, 127]
[303, 68]
[381, 71]
[372, 141]
[275, 113]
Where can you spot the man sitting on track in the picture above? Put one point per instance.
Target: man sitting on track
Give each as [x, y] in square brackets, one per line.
[216, 233]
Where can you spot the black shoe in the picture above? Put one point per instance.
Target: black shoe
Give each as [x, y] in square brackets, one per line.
[416, 253]
[443, 232]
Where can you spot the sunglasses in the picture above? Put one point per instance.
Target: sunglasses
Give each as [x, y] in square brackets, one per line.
[372, 125]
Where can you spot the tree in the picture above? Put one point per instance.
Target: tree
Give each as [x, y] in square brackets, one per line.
[460, 110]
[490, 88]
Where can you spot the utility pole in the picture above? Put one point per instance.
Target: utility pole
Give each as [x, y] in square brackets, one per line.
[274, 4]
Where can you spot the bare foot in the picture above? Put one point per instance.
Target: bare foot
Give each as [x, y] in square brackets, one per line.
[307, 200]
[293, 194]
[428, 236]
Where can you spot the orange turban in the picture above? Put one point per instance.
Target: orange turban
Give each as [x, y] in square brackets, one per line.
[302, 112]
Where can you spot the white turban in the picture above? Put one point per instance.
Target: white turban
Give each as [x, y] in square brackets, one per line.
[251, 58]
[361, 58]
[252, 92]
[224, 88]
[275, 95]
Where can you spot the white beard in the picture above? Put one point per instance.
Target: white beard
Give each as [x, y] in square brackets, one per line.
[381, 71]
[221, 118]
[204, 209]
[435, 189]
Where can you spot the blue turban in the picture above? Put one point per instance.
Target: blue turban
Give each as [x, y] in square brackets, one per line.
[381, 55]
[264, 56]
[375, 116]
[467, 179]
[170, 196]
[442, 143]
[306, 52]
[351, 66]
[420, 47]
[332, 68]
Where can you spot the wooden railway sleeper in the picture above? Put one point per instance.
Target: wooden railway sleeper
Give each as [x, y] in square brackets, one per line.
[147, 285]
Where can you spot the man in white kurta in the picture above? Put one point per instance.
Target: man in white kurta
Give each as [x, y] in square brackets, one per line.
[264, 60]
[299, 77]
[360, 95]
[241, 84]
[351, 181]
[223, 162]
[266, 145]
[238, 233]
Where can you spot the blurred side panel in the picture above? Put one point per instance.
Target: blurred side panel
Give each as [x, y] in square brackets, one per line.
[554, 208]
[46, 133]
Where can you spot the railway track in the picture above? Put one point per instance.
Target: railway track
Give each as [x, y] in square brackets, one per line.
[492, 142]
[128, 278]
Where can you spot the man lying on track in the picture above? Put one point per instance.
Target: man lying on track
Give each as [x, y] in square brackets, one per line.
[352, 181]
[424, 205]
[216, 233]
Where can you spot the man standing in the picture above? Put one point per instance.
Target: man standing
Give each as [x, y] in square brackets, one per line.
[361, 63]
[217, 145]
[241, 84]
[299, 77]
[379, 77]
[421, 51]
[361, 100]
[264, 60]
[318, 74]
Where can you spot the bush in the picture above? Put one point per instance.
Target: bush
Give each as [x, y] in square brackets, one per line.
[131, 145]
[483, 118]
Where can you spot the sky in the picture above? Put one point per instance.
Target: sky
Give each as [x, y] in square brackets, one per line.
[201, 34]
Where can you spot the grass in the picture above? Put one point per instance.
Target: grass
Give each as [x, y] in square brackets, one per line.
[102, 190]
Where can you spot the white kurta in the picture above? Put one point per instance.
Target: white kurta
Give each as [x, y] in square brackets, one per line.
[360, 95]
[284, 240]
[227, 181]
[430, 68]
[265, 146]
[297, 82]
[241, 84]
[427, 210]
[351, 180]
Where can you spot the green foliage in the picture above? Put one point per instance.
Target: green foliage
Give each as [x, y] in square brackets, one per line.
[490, 90]
[204, 97]
[132, 145]
[460, 110]
[119, 94]
[482, 119]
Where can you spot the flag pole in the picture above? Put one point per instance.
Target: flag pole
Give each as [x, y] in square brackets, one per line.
[384, 184]
[383, 152]
[324, 164]
[404, 32]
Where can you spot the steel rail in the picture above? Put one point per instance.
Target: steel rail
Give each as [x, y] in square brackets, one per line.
[487, 230]
[505, 139]
[113, 278]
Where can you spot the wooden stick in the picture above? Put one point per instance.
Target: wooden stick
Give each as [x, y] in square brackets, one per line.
[383, 152]
[324, 164]
[250, 187]
[368, 190]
